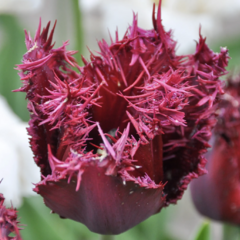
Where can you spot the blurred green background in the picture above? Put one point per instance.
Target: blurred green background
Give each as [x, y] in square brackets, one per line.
[40, 224]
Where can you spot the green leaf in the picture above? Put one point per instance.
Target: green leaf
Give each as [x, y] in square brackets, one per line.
[203, 232]
[11, 52]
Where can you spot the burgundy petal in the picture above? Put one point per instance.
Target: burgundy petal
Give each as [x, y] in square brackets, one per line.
[108, 206]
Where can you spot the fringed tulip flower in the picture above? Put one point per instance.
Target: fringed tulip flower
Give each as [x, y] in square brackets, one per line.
[217, 194]
[8, 222]
[122, 139]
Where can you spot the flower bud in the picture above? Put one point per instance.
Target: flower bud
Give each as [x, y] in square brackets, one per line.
[8, 222]
[216, 195]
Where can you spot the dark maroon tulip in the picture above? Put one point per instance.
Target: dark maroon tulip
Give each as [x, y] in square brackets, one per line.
[123, 138]
[8, 222]
[217, 194]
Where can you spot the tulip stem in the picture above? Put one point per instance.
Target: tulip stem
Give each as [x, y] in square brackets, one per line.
[107, 237]
[79, 40]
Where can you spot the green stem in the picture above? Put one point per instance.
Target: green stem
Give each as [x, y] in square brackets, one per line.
[78, 30]
[107, 237]
[231, 232]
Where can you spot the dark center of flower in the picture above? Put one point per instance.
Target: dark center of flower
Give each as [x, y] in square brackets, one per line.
[113, 119]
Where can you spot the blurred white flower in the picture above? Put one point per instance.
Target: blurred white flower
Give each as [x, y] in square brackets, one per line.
[13, 6]
[17, 167]
[218, 19]
[203, 6]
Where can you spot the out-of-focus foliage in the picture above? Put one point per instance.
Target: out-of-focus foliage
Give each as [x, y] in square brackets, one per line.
[12, 48]
[231, 232]
[233, 45]
[43, 225]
